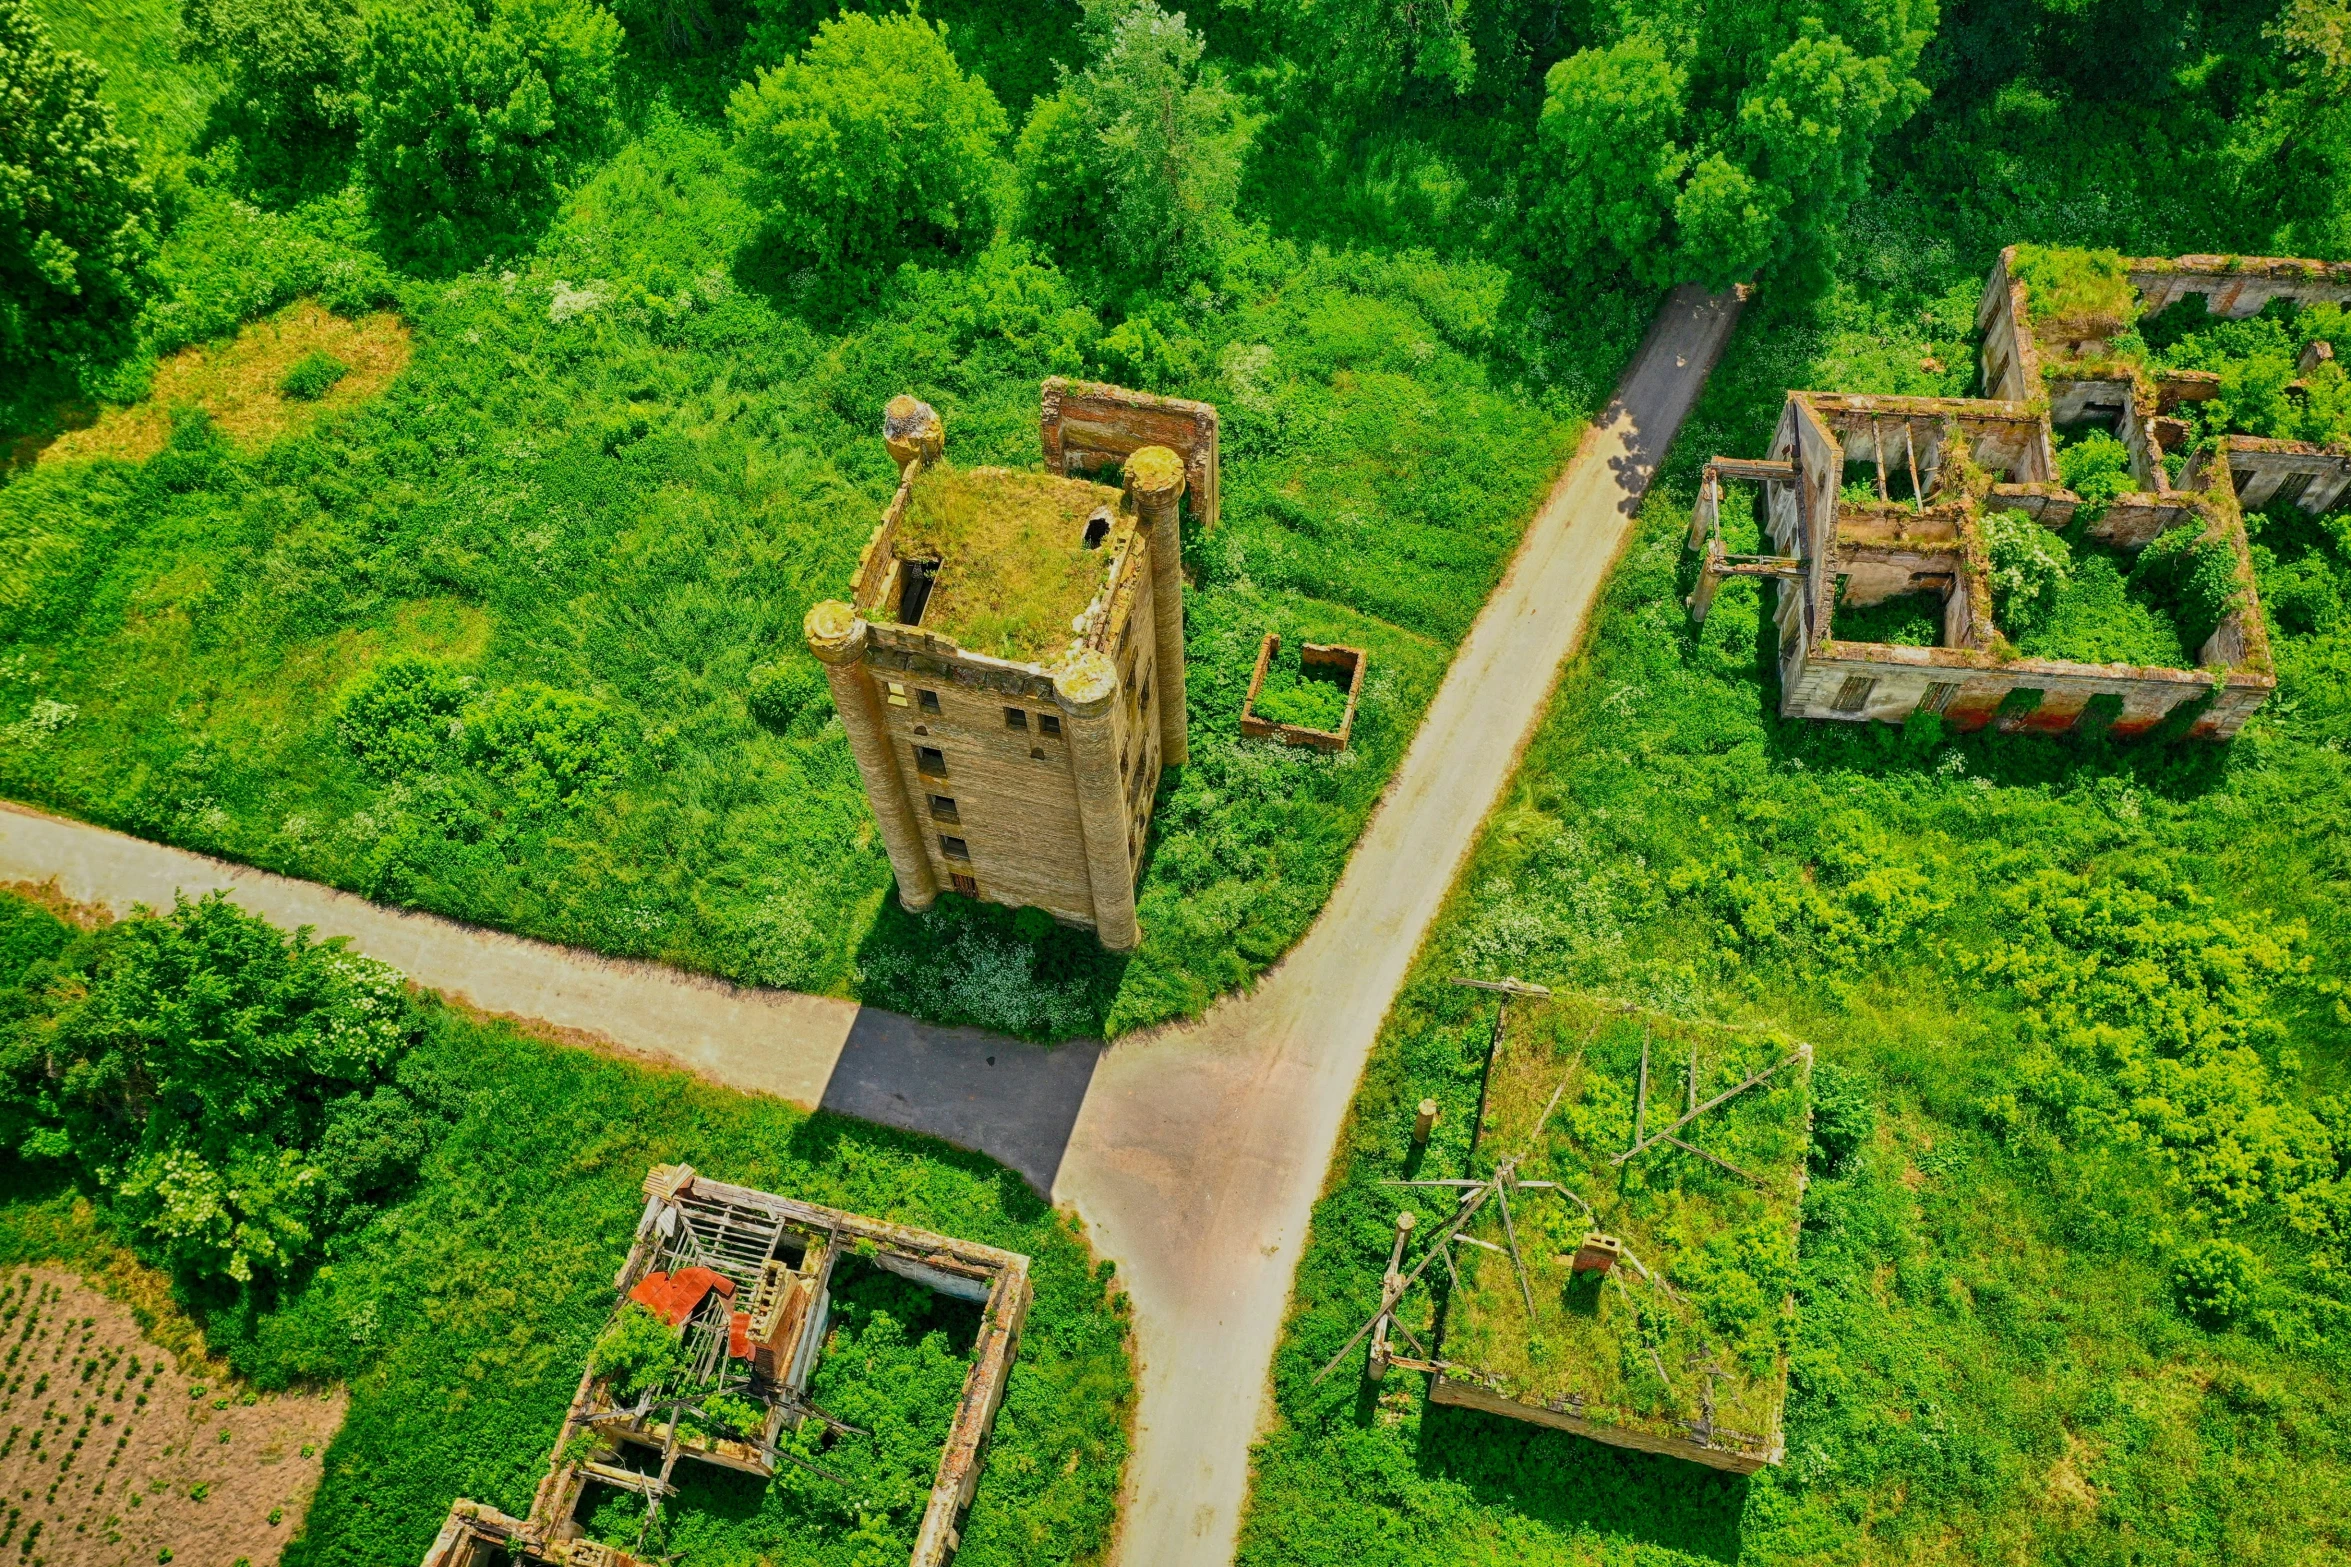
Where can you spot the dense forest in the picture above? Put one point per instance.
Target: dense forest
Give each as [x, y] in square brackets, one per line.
[430, 419]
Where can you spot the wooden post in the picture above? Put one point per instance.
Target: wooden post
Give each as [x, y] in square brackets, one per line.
[1391, 1290]
[1710, 577]
[1425, 1121]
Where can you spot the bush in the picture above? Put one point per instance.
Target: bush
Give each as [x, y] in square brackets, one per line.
[1844, 1117]
[401, 718]
[2096, 467]
[2073, 294]
[293, 61]
[2215, 1280]
[2193, 576]
[2030, 569]
[237, 1092]
[77, 218]
[470, 123]
[870, 143]
[789, 697]
[636, 1353]
[313, 376]
[547, 747]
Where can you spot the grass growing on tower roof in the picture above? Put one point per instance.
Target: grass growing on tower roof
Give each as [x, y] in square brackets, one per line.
[1014, 568]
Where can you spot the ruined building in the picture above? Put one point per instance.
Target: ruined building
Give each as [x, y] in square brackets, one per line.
[743, 1281]
[1009, 666]
[1933, 467]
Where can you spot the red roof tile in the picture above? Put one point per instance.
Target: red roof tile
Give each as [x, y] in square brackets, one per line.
[673, 1296]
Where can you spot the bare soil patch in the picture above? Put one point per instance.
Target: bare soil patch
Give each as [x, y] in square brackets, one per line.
[116, 1451]
[236, 383]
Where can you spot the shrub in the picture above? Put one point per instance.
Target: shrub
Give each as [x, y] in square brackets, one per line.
[1843, 1116]
[2071, 295]
[401, 718]
[2030, 568]
[2215, 1280]
[77, 218]
[2097, 467]
[636, 1353]
[313, 376]
[547, 746]
[471, 121]
[211, 1073]
[788, 697]
[293, 61]
[869, 143]
[2193, 576]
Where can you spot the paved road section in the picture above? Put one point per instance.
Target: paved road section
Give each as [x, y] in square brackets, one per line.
[1192, 1153]
[1201, 1148]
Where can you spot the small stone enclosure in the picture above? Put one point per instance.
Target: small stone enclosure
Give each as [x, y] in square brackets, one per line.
[1344, 662]
[746, 1277]
[1009, 666]
[1959, 458]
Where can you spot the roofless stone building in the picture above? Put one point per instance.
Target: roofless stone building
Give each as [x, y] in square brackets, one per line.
[1932, 467]
[1009, 665]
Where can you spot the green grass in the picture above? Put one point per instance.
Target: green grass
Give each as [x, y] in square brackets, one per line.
[156, 98]
[1904, 620]
[625, 465]
[2008, 1343]
[459, 1318]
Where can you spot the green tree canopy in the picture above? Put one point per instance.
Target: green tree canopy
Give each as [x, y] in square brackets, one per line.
[291, 60]
[77, 219]
[1136, 160]
[870, 143]
[471, 118]
[1712, 144]
[239, 1093]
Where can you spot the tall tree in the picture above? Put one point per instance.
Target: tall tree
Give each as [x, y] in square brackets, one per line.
[1710, 144]
[472, 118]
[77, 218]
[291, 60]
[1138, 158]
[870, 143]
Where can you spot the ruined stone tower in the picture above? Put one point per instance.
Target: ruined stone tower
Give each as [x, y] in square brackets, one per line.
[1009, 665]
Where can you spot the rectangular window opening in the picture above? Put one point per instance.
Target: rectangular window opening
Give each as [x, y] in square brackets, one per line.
[1853, 695]
[1049, 724]
[928, 701]
[1938, 696]
[943, 810]
[930, 760]
[969, 886]
[954, 848]
[1016, 718]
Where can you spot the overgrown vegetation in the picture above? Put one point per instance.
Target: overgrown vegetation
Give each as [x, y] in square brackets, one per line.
[459, 1305]
[2068, 1285]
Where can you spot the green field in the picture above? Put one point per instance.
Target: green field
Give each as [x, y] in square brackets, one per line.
[2070, 1283]
[459, 1313]
[620, 466]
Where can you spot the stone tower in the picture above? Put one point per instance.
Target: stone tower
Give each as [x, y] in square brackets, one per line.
[1009, 665]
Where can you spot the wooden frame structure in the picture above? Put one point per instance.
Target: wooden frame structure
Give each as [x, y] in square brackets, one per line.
[764, 1266]
[1548, 1342]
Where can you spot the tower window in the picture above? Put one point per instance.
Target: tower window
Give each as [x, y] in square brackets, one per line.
[928, 701]
[954, 848]
[931, 760]
[943, 810]
[1016, 718]
[897, 694]
[1049, 724]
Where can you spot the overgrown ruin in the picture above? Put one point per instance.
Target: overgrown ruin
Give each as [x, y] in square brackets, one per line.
[1009, 666]
[1932, 470]
[740, 1280]
[1618, 1259]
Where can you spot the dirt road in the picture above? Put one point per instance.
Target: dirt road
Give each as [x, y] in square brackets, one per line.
[1194, 1153]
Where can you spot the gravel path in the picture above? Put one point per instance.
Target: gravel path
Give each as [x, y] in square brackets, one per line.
[1193, 1153]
